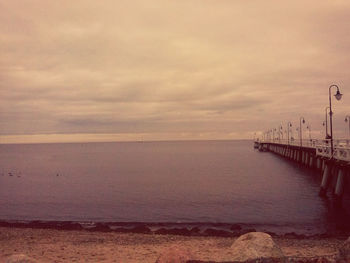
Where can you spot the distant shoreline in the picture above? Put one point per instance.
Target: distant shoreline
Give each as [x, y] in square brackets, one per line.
[126, 141]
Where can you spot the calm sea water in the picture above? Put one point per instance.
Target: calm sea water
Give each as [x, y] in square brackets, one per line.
[198, 181]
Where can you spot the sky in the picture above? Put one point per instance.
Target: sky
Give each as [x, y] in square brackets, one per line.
[115, 70]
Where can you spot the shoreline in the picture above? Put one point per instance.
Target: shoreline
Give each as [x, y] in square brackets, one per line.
[52, 245]
[168, 228]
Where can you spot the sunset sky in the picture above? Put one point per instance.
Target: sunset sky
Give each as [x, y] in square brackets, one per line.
[169, 70]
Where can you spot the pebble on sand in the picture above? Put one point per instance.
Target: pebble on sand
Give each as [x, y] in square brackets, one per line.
[344, 251]
[174, 255]
[19, 258]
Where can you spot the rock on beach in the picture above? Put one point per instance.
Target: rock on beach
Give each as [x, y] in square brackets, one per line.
[255, 245]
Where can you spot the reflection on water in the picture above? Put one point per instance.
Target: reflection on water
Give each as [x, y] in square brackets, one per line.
[204, 181]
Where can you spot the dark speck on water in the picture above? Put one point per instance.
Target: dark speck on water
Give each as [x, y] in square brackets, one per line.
[214, 182]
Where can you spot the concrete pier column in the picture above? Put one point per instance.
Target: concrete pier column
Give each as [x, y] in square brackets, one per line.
[325, 179]
[318, 163]
[311, 162]
[339, 187]
[306, 158]
[295, 155]
[323, 164]
[334, 177]
[302, 156]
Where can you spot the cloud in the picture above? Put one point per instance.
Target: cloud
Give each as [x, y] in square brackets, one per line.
[220, 68]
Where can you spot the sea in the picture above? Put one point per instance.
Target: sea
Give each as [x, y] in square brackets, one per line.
[169, 183]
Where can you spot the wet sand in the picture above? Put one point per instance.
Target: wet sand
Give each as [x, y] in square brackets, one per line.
[50, 245]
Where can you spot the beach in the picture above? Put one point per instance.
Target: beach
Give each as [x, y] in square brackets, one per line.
[51, 245]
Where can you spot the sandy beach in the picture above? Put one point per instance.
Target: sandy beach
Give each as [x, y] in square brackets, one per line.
[49, 245]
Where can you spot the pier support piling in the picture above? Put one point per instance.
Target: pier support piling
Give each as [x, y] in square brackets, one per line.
[325, 179]
[318, 163]
[339, 188]
[311, 163]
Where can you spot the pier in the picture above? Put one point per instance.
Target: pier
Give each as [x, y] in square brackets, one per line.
[330, 158]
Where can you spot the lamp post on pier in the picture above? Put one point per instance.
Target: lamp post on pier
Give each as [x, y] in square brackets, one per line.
[309, 128]
[301, 119]
[281, 130]
[289, 124]
[297, 131]
[347, 119]
[325, 123]
[338, 96]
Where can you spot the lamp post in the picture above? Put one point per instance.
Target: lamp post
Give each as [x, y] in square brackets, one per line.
[289, 124]
[301, 119]
[297, 132]
[347, 119]
[326, 123]
[281, 130]
[338, 96]
[309, 128]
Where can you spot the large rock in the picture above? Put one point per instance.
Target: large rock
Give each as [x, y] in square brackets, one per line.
[19, 258]
[344, 251]
[174, 255]
[255, 245]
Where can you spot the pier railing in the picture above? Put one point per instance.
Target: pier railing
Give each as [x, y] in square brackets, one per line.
[341, 148]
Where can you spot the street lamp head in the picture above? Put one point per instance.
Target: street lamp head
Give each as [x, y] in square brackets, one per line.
[338, 95]
[322, 123]
[303, 120]
[346, 119]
